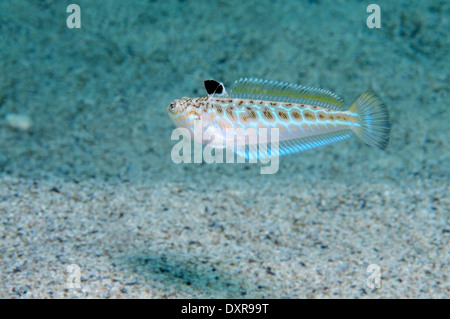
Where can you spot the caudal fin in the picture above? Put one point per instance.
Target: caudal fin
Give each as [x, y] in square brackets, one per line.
[374, 127]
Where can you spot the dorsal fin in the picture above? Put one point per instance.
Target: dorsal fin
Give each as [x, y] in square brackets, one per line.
[215, 88]
[259, 89]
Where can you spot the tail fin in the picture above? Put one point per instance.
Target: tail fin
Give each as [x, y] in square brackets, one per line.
[374, 120]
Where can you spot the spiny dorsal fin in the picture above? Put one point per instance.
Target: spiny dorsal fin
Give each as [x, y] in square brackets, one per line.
[259, 89]
[215, 88]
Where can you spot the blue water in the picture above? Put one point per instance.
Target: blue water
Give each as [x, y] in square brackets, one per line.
[97, 98]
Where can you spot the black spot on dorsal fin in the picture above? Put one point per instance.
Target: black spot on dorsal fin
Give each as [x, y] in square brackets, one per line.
[213, 87]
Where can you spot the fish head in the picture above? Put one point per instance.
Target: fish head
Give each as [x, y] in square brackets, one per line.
[183, 113]
[186, 113]
[179, 105]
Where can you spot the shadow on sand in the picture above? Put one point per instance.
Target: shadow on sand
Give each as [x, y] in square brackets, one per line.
[195, 276]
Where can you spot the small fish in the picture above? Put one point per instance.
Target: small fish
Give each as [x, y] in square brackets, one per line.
[305, 117]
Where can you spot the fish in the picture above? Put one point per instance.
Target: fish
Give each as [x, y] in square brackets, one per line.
[305, 118]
